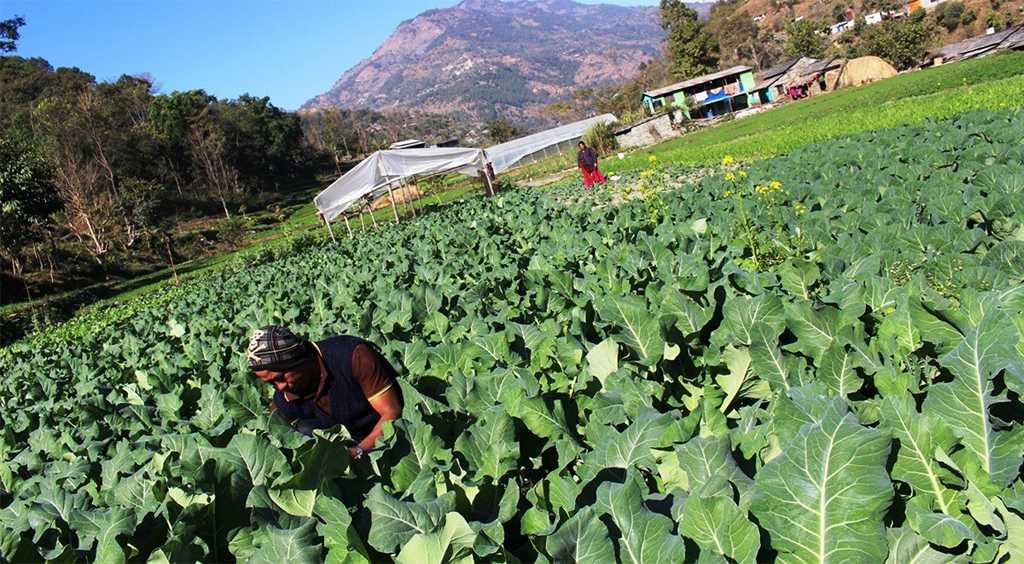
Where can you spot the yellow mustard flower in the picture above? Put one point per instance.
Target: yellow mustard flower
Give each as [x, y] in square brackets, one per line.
[652, 158]
[728, 160]
[743, 174]
[730, 177]
[775, 185]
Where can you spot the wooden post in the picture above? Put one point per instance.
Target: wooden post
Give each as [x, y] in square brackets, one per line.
[329, 229]
[487, 179]
[362, 221]
[373, 218]
[394, 207]
[347, 226]
[408, 196]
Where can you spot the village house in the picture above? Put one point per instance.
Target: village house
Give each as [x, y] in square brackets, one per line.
[1010, 38]
[710, 95]
[773, 81]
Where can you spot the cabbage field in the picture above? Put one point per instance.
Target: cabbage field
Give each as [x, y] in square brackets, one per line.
[812, 358]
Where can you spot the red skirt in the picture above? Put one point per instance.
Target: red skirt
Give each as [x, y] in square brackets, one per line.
[592, 176]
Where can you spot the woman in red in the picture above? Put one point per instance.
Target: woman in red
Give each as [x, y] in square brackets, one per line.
[587, 161]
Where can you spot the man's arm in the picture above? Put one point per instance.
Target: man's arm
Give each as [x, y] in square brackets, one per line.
[389, 407]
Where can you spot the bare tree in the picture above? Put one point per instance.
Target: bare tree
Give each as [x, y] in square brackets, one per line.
[208, 148]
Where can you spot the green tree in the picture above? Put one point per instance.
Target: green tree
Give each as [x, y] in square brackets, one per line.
[500, 130]
[9, 34]
[804, 39]
[27, 198]
[949, 14]
[691, 49]
[902, 42]
[737, 35]
[601, 137]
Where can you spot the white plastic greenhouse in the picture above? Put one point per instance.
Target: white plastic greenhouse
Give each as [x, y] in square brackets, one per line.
[505, 155]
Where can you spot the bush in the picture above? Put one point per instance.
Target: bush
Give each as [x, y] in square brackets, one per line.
[949, 14]
[602, 138]
[903, 43]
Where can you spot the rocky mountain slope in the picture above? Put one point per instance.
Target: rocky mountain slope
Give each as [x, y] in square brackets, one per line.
[487, 58]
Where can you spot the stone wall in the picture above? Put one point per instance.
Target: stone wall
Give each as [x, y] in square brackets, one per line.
[648, 132]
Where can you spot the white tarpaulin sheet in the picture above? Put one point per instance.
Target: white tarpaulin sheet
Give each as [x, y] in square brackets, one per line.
[507, 154]
[376, 172]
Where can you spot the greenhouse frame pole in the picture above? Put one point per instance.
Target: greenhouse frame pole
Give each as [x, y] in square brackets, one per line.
[372, 217]
[394, 207]
[329, 229]
[487, 178]
[347, 226]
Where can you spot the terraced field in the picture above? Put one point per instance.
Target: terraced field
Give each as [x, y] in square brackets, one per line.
[815, 357]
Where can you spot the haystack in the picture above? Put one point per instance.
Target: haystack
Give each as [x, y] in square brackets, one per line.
[865, 70]
[403, 194]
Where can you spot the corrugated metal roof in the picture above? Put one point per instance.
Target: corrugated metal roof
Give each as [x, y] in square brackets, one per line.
[821, 66]
[408, 144]
[658, 92]
[1016, 41]
[777, 70]
[981, 44]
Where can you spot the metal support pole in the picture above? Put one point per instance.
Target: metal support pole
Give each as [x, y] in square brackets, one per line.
[329, 229]
[347, 226]
[394, 207]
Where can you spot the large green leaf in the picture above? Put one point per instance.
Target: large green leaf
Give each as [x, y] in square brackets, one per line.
[816, 330]
[964, 404]
[344, 546]
[782, 370]
[603, 359]
[452, 543]
[102, 527]
[626, 449]
[293, 501]
[823, 498]
[687, 315]
[745, 316]
[638, 327]
[490, 445]
[394, 522]
[298, 545]
[709, 468]
[581, 538]
[646, 537]
[717, 524]
[261, 462]
[906, 547]
[919, 436]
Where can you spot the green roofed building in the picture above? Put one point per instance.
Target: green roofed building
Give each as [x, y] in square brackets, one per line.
[710, 95]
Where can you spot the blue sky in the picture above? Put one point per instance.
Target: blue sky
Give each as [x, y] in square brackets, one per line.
[290, 51]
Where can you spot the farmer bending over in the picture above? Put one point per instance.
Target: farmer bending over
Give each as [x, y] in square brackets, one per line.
[340, 380]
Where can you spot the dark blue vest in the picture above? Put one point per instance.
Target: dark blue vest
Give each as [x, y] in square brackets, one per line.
[349, 406]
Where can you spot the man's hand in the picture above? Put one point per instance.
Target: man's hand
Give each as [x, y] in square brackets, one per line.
[389, 407]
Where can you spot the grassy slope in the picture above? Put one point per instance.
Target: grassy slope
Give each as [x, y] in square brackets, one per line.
[993, 82]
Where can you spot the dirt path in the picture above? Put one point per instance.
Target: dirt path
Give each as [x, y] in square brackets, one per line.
[548, 179]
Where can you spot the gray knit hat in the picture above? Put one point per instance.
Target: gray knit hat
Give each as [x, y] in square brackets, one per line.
[276, 348]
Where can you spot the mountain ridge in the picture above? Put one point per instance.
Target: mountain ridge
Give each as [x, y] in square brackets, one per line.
[492, 58]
